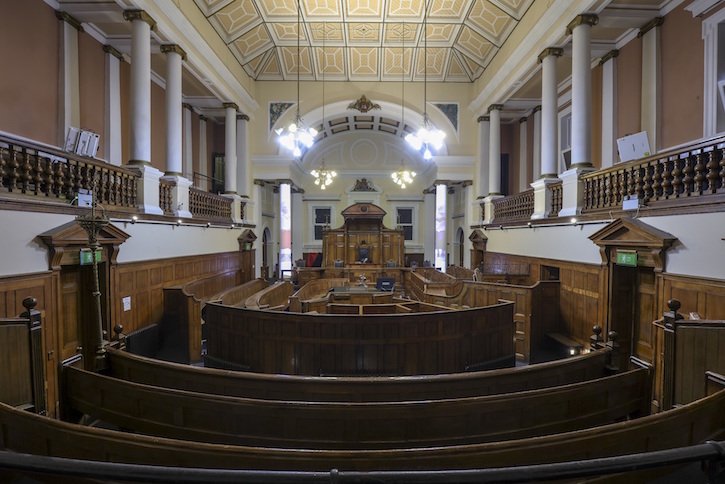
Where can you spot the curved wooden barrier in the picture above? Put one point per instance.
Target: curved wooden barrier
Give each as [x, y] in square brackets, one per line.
[687, 425]
[149, 371]
[383, 344]
[239, 294]
[273, 298]
[352, 425]
[313, 295]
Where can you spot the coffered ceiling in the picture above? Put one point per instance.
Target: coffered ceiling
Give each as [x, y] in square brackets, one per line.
[364, 40]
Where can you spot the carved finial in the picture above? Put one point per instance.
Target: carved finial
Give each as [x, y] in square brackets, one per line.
[674, 305]
[672, 315]
[29, 303]
[612, 336]
[596, 338]
[117, 331]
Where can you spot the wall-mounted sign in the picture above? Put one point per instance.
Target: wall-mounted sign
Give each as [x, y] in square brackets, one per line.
[627, 258]
[87, 258]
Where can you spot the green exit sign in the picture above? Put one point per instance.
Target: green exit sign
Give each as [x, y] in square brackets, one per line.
[627, 258]
[87, 258]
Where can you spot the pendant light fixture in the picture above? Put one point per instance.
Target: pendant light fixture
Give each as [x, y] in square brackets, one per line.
[323, 176]
[402, 176]
[296, 136]
[427, 135]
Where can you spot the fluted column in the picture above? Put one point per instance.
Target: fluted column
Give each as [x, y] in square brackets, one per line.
[609, 108]
[112, 144]
[581, 90]
[174, 126]
[494, 150]
[243, 168]
[484, 133]
[549, 111]
[140, 92]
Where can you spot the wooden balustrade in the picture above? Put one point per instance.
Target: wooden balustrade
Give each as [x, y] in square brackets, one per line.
[166, 187]
[688, 173]
[47, 174]
[514, 207]
[557, 196]
[210, 206]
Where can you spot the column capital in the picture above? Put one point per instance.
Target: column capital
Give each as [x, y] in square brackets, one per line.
[467, 183]
[609, 56]
[115, 53]
[555, 51]
[441, 182]
[70, 20]
[259, 182]
[203, 118]
[536, 109]
[231, 105]
[484, 118]
[495, 107]
[242, 117]
[166, 48]
[523, 120]
[132, 15]
[187, 106]
[655, 22]
[583, 19]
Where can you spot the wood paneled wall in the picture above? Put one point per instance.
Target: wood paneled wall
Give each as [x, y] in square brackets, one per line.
[144, 281]
[703, 296]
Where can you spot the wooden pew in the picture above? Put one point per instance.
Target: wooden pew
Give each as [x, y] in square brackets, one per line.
[238, 295]
[273, 298]
[344, 425]
[149, 371]
[687, 425]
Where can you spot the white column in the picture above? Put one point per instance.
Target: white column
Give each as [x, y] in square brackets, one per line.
[253, 209]
[549, 111]
[440, 226]
[69, 104]
[187, 155]
[651, 82]
[581, 116]
[243, 167]
[471, 218]
[609, 108]
[523, 165]
[174, 126]
[536, 162]
[204, 182]
[581, 90]
[484, 132]
[494, 150]
[430, 217]
[112, 147]
[285, 229]
[230, 149]
[140, 92]
[298, 221]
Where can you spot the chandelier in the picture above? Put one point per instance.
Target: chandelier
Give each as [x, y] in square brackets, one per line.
[323, 176]
[296, 135]
[403, 176]
[427, 135]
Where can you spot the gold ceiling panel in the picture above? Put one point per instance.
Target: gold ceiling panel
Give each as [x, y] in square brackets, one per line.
[462, 36]
[474, 44]
[237, 17]
[490, 21]
[253, 43]
[364, 62]
[364, 33]
[368, 9]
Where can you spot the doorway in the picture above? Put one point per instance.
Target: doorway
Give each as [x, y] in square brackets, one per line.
[632, 309]
[265, 254]
[459, 239]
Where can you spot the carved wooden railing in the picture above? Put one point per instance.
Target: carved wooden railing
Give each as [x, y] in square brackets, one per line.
[514, 207]
[42, 173]
[209, 206]
[166, 188]
[687, 173]
[557, 195]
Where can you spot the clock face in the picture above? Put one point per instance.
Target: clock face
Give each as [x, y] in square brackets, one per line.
[364, 208]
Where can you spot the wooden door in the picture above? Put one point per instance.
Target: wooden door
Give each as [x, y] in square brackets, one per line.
[632, 309]
[248, 265]
[69, 334]
[644, 314]
[621, 307]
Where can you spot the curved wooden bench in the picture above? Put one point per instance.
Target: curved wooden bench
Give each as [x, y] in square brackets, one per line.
[352, 425]
[686, 425]
[313, 295]
[239, 294]
[138, 369]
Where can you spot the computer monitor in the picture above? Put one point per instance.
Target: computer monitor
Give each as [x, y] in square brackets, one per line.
[385, 283]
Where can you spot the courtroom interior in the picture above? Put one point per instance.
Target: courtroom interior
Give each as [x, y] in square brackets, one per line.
[362, 240]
